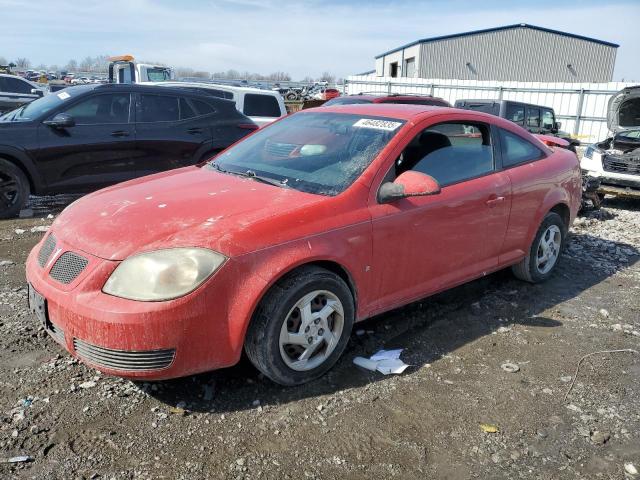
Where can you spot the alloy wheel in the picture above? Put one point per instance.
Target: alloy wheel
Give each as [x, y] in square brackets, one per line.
[548, 249]
[311, 330]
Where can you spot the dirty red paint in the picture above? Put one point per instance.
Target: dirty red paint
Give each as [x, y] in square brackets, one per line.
[394, 253]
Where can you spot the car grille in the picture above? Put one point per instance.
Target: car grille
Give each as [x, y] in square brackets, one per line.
[123, 359]
[46, 250]
[68, 267]
[56, 332]
[628, 165]
[280, 149]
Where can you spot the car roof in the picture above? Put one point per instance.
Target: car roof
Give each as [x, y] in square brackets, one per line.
[404, 111]
[143, 88]
[218, 86]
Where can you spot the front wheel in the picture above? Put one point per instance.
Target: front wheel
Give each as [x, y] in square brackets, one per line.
[544, 252]
[301, 327]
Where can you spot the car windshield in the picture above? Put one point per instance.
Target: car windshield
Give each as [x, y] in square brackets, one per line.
[37, 108]
[320, 153]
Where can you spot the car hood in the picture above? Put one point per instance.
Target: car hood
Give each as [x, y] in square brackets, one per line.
[623, 111]
[186, 207]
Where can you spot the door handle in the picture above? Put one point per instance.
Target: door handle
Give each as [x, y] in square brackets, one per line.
[493, 201]
[194, 130]
[120, 133]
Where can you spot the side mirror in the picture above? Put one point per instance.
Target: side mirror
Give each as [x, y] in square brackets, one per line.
[408, 184]
[37, 91]
[558, 126]
[61, 120]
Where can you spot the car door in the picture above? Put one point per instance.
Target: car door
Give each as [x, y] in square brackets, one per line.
[97, 151]
[165, 139]
[425, 244]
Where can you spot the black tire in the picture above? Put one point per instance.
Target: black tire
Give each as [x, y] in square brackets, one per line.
[14, 189]
[262, 341]
[527, 268]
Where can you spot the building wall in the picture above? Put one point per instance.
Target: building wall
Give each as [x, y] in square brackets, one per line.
[383, 64]
[519, 54]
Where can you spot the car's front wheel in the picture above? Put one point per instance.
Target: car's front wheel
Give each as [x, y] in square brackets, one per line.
[14, 189]
[544, 252]
[301, 327]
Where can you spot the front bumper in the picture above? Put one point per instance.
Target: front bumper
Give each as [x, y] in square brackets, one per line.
[621, 184]
[138, 340]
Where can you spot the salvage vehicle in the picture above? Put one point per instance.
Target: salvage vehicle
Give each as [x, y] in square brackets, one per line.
[16, 91]
[124, 69]
[410, 99]
[535, 118]
[615, 162]
[284, 240]
[261, 106]
[87, 137]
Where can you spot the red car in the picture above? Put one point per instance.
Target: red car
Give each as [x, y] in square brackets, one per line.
[388, 98]
[284, 240]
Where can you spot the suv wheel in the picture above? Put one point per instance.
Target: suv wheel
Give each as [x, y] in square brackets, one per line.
[301, 327]
[544, 252]
[14, 189]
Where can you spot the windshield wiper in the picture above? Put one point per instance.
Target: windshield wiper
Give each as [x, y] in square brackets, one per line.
[251, 174]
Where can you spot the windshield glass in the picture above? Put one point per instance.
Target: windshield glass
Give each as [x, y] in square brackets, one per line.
[158, 74]
[319, 153]
[37, 108]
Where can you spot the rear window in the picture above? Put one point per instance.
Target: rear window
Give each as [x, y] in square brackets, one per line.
[256, 105]
[346, 101]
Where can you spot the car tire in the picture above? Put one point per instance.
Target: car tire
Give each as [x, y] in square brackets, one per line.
[548, 243]
[318, 333]
[14, 189]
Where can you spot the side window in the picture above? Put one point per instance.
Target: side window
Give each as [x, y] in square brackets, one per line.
[202, 108]
[109, 108]
[515, 113]
[517, 150]
[256, 105]
[533, 117]
[158, 108]
[548, 121]
[186, 111]
[15, 86]
[449, 152]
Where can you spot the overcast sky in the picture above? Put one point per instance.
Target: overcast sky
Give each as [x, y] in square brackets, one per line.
[302, 38]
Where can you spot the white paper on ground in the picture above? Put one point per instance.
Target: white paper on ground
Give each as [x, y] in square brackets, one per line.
[386, 355]
[384, 361]
[387, 367]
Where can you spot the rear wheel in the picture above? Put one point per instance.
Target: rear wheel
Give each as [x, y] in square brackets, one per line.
[544, 252]
[14, 189]
[301, 327]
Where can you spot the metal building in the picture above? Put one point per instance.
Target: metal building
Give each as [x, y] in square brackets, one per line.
[518, 52]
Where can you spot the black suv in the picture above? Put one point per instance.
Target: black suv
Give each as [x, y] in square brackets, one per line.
[87, 137]
[535, 118]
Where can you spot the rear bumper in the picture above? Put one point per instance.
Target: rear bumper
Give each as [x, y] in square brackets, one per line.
[139, 340]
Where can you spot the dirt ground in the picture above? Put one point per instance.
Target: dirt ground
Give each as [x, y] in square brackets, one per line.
[73, 422]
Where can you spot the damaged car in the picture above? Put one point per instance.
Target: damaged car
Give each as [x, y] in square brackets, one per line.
[279, 244]
[615, 162]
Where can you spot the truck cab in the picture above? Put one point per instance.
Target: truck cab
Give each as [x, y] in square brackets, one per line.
[124, 69]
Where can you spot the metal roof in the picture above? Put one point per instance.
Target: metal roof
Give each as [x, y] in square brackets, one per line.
[497, 29]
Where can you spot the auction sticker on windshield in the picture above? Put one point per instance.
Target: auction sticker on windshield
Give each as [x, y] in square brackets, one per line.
[377, 124]
[63, 95]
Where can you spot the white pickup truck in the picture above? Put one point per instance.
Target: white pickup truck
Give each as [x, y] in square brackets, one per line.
[261, 106]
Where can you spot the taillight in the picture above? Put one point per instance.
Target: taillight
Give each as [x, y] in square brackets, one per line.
[248, 126]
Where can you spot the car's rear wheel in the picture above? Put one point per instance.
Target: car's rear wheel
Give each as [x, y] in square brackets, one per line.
[301, 327]
[544, 253]
[14, 189]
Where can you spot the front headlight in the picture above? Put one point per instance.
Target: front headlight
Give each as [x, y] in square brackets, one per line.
[163, 274]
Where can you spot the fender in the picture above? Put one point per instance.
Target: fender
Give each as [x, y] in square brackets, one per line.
[23, 160]
[264, 269]
[557, 195]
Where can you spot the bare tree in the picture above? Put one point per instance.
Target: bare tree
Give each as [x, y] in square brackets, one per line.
[3, 61]
[22, 63]
[71, 66]
[86, 64]
[327, 77]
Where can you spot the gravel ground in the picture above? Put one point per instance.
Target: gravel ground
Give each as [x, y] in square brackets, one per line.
[454, 414]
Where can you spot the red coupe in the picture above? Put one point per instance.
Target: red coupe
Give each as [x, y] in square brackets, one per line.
[284, 240]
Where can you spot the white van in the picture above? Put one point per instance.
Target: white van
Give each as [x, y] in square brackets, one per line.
[261, 106]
